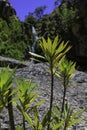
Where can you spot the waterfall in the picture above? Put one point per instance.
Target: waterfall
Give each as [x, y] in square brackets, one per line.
[35, 38]
[34, 42]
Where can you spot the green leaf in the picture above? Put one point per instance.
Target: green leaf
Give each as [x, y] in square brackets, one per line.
[49, 43]
[5, 85]
[45, 119]
[36, 55]
[40, 127]
[56, 110]
[39, 103]
[77, 113]
[60, 48]
[75, 121]
[58, 125]
[28, 119]
[36, 117]
[19, 128]
[55, 43]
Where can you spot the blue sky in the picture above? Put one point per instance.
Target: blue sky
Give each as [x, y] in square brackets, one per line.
[23, 7]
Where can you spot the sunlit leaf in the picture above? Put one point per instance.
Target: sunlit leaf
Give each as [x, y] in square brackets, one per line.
[36, 55]
[56, 126]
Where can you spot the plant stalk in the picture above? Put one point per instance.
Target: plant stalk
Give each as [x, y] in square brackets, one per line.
[64, 94]
[10, 112]
[24, 123]
[51, 98]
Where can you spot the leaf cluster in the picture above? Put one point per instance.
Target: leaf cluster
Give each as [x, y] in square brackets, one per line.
[12, 43]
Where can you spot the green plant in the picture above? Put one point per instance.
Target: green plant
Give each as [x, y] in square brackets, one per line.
[65, 71]
[19, 128]
[5, 93]
[36, 124]
[68, 116]
[12, 44]
[53, 52]
[26, 98]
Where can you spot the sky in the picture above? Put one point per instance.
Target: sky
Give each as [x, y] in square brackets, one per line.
[23, 7]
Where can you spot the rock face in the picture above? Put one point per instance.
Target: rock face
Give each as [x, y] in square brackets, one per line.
[4, 61]
[76, 94]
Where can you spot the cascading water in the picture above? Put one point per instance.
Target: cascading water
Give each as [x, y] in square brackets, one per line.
[35, 39]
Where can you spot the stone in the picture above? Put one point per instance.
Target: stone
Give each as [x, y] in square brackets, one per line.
[5, 61]
[76, 94]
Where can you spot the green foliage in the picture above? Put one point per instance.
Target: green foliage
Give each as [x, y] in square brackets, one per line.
[11, 42]
[26, 99]
[5, 85]
[39, 11]
[71, 118]
[26, 95]
[5, 93]
[36, 124]
[66, 69]
[53, 52]
[19, 128]
[68, 15]
[68, 116]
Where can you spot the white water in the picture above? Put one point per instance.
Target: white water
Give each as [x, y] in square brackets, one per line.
[35, 38]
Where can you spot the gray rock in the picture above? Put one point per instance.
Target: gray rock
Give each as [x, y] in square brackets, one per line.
[76, 94]
[5, 61]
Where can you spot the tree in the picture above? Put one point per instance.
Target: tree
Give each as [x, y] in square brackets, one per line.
[57, 3]
[39, 11]
[12, 44]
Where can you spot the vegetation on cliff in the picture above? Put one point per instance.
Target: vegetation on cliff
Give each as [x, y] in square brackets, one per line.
[68, 20]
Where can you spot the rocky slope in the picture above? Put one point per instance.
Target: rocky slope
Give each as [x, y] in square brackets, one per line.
[76, 94]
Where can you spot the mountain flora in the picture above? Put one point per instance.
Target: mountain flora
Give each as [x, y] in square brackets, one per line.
[26, 96]
[5, 94]
[11, 42]
[53, 52]
[65, 71]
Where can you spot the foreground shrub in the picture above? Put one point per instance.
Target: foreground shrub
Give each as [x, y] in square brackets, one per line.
[26, 99]
[53, 52]
[68, 117]
[5, 94]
